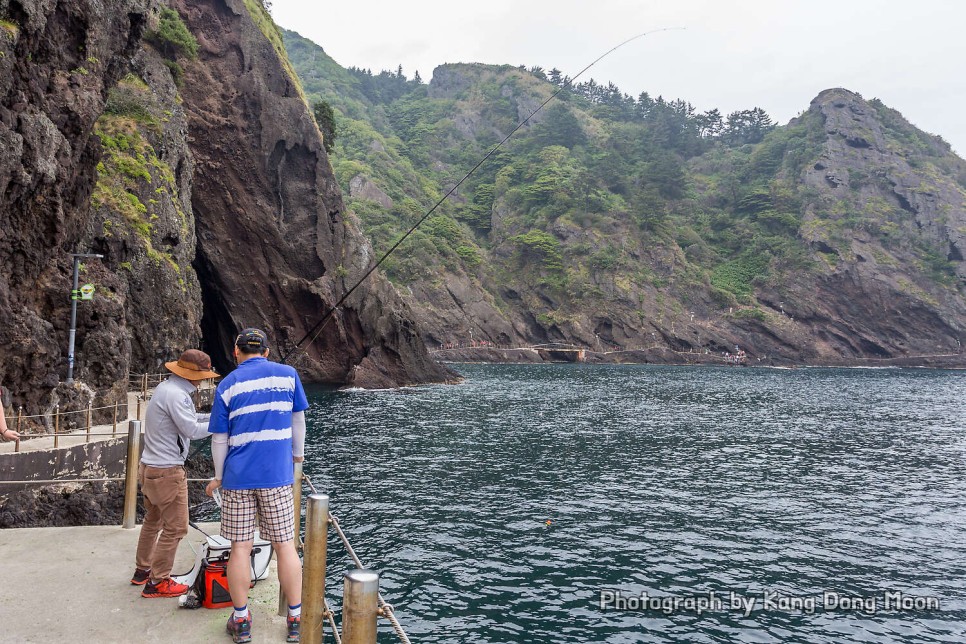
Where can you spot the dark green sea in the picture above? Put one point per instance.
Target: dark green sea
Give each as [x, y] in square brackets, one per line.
[802, 490]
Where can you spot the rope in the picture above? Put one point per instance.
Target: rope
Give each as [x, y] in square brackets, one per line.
[78, 433]
[345, 541]
[54, 481]
[62, 413]
[329, 615]
[385, 608]
[386, 611]
[306, 479]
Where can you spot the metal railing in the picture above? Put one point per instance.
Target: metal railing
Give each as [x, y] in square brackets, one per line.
[362, 603]
[54, 421]
[58, 418]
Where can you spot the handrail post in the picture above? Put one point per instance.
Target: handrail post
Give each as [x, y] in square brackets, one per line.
[56, 424]
[297, 502]
[89, 419]
[360, 606]
[131, 475]
[313, 573]
[114, 431]
[16, 448]
[138, 412]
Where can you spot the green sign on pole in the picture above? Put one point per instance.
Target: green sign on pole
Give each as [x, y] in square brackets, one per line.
[87, 292]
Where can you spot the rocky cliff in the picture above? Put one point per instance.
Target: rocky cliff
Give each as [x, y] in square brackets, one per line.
[275, 248]
[58, 60]
[203, 182]
[621, 224]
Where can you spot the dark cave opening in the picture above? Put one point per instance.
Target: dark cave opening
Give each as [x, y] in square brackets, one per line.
[217, 328]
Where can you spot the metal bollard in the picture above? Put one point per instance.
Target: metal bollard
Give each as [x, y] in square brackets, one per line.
[131, 475]
[360, 606]
[313, 567]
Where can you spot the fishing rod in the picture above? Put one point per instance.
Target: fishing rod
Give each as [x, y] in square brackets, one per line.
[320, 325]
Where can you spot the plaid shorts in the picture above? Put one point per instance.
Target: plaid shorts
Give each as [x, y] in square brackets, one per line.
[274, 507]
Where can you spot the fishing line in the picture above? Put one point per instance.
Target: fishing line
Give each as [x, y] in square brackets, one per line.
[320, 325]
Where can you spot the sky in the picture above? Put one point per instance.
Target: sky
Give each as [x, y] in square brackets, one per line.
[774, 54]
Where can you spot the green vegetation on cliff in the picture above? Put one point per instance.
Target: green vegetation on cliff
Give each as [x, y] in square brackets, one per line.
[604, 201]
[131, 179]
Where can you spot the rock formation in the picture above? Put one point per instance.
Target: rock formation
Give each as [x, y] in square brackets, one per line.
[58, 60]
[275, 247]
[212, 202]
[834, 239]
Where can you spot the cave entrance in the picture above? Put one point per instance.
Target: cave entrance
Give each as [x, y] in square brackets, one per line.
[217, 327]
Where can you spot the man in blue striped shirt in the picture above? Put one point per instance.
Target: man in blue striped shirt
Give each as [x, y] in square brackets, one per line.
[258, 431]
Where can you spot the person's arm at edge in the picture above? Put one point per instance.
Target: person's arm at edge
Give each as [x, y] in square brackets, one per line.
[298, 436]
[5, 432]
[218, 426]
[300, 404]
[189, 422]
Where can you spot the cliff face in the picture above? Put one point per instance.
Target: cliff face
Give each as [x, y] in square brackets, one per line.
[620, 224]
[886, 216]
[57, 62]
[275, 249]
[212, 203]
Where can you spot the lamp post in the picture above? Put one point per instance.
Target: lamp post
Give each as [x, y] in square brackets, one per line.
[74, 296]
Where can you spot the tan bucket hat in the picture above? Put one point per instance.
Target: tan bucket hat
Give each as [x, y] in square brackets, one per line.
[192, 365]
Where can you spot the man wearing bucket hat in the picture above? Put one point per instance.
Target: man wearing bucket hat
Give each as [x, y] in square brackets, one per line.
[170, 423]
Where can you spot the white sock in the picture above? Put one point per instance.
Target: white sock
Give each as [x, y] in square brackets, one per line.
[295, 611]
[242, 613]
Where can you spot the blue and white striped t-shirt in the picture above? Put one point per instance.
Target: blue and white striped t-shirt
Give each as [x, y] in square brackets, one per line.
[254, 405]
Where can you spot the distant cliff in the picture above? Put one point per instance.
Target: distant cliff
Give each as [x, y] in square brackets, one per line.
[200, 176]
[618, 223]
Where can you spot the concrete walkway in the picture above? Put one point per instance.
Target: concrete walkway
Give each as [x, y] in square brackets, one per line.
[73, 584]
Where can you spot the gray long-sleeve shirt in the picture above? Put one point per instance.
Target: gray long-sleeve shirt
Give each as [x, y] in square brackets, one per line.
[170, 423]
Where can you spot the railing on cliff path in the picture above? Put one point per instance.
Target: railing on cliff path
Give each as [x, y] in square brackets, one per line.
[362, 603]
[59, 423]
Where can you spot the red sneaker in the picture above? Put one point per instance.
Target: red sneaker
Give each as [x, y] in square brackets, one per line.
[164, 588]
[140, 577]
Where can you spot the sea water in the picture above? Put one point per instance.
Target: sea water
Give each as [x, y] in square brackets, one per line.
[588, 503]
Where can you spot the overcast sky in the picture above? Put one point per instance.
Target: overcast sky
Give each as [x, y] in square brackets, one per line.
[774, 54]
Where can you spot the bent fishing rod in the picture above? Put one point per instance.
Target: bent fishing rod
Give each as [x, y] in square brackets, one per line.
[320, 325]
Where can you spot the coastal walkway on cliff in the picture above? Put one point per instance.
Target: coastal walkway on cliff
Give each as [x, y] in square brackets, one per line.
[659, 354]
[79, 434]
[73, 584]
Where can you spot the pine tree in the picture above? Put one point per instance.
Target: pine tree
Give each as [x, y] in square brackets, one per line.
[325, 119]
